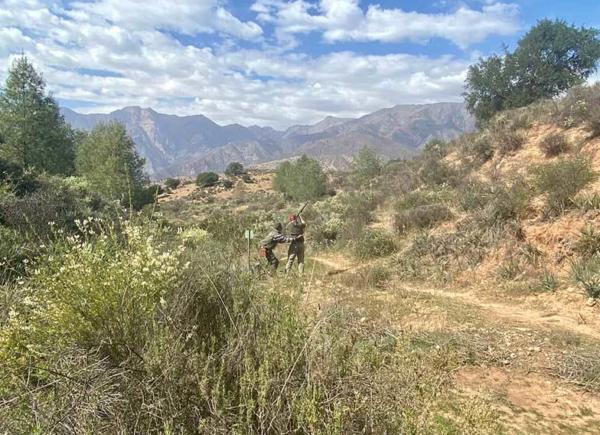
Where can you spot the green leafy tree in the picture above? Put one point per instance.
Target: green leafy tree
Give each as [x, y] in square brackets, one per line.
[108, 160]
[366, 165]
[301, 180]
[34, 133]
[235, 169]
[551, 58]
[207, 179]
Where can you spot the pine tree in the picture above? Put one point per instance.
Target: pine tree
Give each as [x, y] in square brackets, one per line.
[33, 131]
[108, 160]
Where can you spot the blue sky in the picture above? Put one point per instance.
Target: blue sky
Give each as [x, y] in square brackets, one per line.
[266, 62]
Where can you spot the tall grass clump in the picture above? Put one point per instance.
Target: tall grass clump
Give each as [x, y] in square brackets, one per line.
[586, 273]
[581, 105]
[560, 181]
[373, 242]
[425, 216]
[554, 144]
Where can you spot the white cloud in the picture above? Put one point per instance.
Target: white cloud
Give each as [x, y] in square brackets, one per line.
[185, 16]
[344, 20]
[265, 85]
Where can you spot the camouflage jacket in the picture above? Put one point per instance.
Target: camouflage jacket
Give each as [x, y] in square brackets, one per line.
[275, 237]
[295, 228]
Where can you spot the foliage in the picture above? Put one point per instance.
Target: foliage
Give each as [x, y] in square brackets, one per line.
[301, 180]
[365, 167]
[108, 160]
[235, 169]
[581, 105]
[34, 133]
[588, 243]
[373, 242]
[554, 144]
[207, 179]
[551, 58]
[424, 216]
[586, 272]
[561, 180]
[172, 183]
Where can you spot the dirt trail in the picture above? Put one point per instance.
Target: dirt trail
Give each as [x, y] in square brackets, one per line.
[507, 312]
[528, 399]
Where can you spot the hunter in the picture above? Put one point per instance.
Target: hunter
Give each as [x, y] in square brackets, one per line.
[270, 242]
[295, 228]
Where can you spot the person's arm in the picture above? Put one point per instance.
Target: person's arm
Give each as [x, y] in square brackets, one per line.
[280, 238]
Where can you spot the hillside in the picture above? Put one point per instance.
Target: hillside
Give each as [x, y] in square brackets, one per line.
[174, 145]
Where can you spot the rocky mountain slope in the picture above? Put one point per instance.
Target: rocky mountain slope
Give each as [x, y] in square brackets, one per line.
[174, 145]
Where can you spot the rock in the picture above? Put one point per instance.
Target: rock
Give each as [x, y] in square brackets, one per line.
[591, 302]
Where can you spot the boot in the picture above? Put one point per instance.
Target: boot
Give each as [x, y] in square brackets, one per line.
[301, 268]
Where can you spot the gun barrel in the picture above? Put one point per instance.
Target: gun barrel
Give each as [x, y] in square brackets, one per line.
[302, 209]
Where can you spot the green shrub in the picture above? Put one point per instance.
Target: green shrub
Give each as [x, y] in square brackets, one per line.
[509, 141]
[548, 282]
[480, 149]
[235, 169]
[207, 179]
[554, 144]
[377, 276]
[373, 243]
[508, 203]
[586, 272]
[302, 180]
[588, 243]
[561, 180]
[509, 270]
[587, 202]
[227, 184]
[425, 216]
[172, 183]
[366, 166]
[581, 105]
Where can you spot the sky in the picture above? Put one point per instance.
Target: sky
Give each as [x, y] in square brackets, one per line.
[265, 62]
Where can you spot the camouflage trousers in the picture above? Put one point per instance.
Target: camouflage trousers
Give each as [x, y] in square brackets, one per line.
[295, 251]
[272, 260]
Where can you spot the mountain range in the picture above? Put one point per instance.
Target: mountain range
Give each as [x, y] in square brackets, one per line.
[185, 145]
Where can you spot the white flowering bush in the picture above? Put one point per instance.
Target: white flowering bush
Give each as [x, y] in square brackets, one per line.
[93, 291]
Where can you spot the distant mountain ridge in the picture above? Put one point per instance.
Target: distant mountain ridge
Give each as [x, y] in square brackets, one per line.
[185, 145]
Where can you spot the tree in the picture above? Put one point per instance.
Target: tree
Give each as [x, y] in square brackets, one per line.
[551, 58]
[108, 160]
[301, 180]
[235, 169]
[365, 166]
[34, 133]
[207, 179]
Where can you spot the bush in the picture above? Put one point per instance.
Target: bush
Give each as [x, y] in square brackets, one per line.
[207, 179]
[425, 216]
[373, 243]
[235, 169]
[172, 183]
[581, 105]
[588, 243]
[366, 166]
[586, 272]
[509, 141]
[554, 144]
[302, 180]
[246, 178]
[480, 149]
[227, 184]
[561, 180]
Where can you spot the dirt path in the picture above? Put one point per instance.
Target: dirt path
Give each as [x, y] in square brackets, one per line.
[507, 312]
[528, 398]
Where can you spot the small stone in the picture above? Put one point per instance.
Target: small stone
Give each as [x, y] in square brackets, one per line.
[591, 302]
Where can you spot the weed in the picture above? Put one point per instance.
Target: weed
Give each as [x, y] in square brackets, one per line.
[425, 216]
[561, 180]
[586, 272]
[588, 243]
[373, 243]
[510, 270]
[554, 144]
[587, 202]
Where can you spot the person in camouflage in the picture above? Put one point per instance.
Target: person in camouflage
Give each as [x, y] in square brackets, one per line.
[295, 228]
[270, 242]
